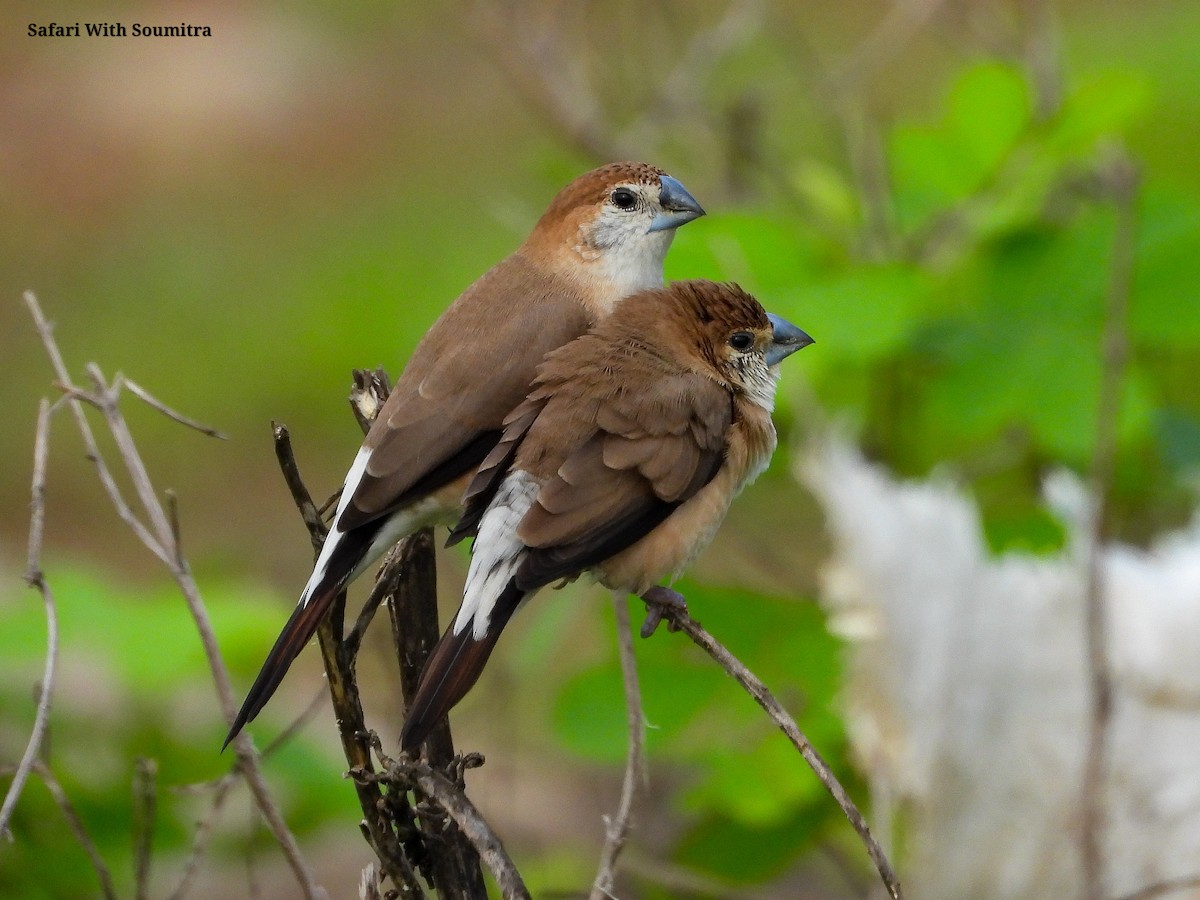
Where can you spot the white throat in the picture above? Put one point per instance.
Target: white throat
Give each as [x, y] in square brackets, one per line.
[630, 263]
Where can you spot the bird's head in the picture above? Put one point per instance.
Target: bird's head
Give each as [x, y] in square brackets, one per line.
[731, 337]
[611, 228]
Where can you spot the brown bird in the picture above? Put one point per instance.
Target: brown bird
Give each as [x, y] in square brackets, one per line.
[603, 237]
[622, 461]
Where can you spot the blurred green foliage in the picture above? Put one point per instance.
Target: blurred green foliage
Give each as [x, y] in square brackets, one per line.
[133, 683]
[957, 302]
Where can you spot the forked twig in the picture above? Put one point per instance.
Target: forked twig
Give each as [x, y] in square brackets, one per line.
[450, 797]
[160, 539]
[203, 834]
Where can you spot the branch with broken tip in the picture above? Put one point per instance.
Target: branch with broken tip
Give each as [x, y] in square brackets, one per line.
[286, 458]
[676, 613]
[340, 662]
[388, 818]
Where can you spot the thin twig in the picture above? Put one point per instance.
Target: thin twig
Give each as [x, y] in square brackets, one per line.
[34, 577]
[617, 827]
[409, 582]
[1122, 181]
[451, 798]
[142, 394]
[202, 836]
[176, 527]
[145, 803]
[135, 468]
[286, 457]
[384, 585]
[77, 828]
[764, 698]
[160, 540]
[46, 332]
[340, 662]
[297, 724]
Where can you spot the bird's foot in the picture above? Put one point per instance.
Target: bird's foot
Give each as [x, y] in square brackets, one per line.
[456, 769]
[662, 603]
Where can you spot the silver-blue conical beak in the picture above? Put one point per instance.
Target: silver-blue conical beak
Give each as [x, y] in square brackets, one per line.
[786, 340]
[678, 206]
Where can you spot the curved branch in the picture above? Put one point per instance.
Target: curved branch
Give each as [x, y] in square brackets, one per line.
[33, 577]
[680, 620]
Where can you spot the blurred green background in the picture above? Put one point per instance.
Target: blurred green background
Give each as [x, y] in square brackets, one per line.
[236, 222]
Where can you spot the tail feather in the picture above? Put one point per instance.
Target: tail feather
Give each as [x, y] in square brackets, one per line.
[295, 635]
[452, 670]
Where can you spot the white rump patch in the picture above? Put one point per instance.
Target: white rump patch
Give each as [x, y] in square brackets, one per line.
[497, 552]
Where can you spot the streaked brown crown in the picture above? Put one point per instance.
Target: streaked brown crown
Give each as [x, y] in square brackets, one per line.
[687, 317]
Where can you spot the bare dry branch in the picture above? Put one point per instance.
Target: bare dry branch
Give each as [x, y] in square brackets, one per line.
[159, 538]
[131, 457]
[286, 457]
[343, 692]
[409, 584]
[202, 836]
[1122, 181]
[34, 577]
[750, 682]
[148, 398]
[46, 332]
[78, 829]
[450, 797]
[617, 827]
[145, 803]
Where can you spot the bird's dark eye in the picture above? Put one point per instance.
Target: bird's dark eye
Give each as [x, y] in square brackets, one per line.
[623, 198]
[742, 340]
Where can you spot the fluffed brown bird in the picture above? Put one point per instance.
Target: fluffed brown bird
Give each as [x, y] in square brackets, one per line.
[622, 461]
[603, 237]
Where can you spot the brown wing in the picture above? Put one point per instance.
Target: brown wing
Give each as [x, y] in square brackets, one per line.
[476, 363]
[646, 452]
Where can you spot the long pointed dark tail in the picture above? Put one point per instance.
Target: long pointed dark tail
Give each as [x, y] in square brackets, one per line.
[452, 670]
[295, 635]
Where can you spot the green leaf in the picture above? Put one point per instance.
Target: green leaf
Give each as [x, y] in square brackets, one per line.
[764, 254]
[934, 166]
[1102, 105]
[1167, 270]
[745, 854]
[857, 315]
[989, 111]
[826, 190]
